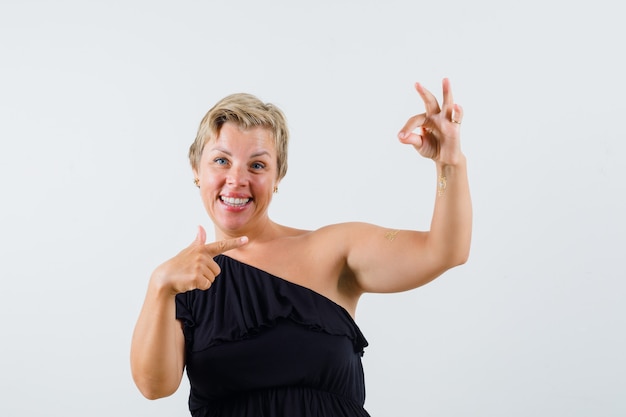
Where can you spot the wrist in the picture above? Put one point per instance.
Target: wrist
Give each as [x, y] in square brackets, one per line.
[159, 284]
[451, 164]
[447, 172]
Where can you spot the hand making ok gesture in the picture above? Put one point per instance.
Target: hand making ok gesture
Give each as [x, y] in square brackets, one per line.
[436, 133]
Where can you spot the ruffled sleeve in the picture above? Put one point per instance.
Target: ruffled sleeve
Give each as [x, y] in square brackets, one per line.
[243, 300]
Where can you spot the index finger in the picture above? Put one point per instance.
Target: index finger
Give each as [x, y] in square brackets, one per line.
[226, 245]
[430, 101]
[412, 124]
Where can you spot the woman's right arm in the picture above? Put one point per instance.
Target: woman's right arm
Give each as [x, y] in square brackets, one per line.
[158, 346]
[157, 354]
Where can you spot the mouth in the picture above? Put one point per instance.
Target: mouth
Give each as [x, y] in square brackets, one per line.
[235, 201]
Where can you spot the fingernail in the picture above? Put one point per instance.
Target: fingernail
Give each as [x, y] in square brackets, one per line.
[401, 135]
[244, 239]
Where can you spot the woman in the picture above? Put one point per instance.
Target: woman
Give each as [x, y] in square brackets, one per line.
[262, 319]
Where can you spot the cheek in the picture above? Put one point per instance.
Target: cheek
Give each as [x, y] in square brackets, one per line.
[262, 190]
[266, 184]
[209, 186]
[211, 177]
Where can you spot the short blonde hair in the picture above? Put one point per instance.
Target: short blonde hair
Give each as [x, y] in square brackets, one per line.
[246, 111]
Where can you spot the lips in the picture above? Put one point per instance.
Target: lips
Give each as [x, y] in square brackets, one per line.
[235, 201]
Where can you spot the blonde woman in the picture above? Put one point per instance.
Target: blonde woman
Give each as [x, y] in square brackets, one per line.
[262, 319]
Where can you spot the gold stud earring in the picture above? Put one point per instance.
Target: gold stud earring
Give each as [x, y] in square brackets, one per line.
[196, 181]
[275, 189]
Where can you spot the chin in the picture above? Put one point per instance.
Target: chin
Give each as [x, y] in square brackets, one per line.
[230, 226]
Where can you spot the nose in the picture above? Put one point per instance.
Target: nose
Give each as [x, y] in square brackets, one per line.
[237, 176]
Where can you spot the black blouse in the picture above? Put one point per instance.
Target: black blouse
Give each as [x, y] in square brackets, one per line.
[260, 346]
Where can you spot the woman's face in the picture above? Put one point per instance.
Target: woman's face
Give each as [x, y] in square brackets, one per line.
[237, 174]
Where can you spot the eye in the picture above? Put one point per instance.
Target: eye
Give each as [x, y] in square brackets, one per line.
[257, 165]
[220, 161]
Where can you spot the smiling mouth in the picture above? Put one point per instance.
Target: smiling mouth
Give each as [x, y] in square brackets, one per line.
[235, 202]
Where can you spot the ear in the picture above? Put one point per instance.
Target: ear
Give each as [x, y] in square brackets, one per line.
[196, 177]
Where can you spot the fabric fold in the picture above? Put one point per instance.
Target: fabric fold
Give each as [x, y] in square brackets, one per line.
[241, 304]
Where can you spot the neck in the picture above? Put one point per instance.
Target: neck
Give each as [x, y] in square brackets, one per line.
[258, 233]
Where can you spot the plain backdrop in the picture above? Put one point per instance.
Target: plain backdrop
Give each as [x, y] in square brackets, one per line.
[99, 101]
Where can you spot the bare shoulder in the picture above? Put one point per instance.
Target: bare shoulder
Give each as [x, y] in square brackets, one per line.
[322, 260]
[330, 260]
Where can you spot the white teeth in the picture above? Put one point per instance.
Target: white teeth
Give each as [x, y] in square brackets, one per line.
[231, 201]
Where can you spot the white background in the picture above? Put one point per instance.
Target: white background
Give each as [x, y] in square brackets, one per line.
[99, 102]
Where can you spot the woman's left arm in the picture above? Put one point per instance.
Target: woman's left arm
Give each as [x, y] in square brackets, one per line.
[384, 260]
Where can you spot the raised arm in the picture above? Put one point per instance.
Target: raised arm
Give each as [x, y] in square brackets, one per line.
[158, 346]
[384, 260]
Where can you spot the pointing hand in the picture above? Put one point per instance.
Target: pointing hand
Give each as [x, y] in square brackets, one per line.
[194, 267]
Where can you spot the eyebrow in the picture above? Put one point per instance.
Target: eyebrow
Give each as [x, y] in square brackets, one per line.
[254, 155]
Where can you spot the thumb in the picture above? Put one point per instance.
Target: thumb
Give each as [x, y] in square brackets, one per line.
[201, 236]
[414, 138]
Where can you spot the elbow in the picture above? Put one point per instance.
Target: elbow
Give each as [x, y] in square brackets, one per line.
[152, 395]
[154, 388]
[454, 259]
[153, 381]
[149, 393]
[462, 258]
[460, 252]
[153, 392]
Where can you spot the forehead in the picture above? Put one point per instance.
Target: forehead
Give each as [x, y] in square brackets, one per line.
[234, 137]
